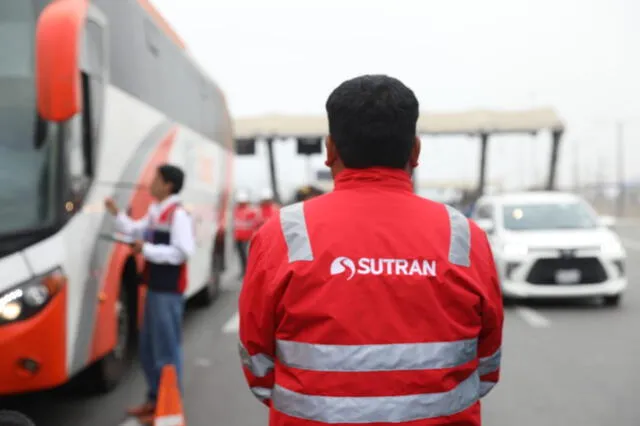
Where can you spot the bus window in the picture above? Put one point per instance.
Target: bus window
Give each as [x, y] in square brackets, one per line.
[85, 136]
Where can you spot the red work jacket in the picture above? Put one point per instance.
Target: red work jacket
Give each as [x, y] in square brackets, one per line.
[245, 218]
[371, 305]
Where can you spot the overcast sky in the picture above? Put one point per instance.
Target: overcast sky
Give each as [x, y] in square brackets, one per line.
[581, 57]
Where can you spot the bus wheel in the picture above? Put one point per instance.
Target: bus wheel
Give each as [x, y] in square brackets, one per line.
[109, 370]
[210, 292]
[14, 418]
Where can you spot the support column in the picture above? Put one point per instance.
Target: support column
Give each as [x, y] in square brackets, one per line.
[272, 170]
[484, 143]
[555, 147]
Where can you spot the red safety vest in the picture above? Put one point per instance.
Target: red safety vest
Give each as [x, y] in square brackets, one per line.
[164, 277]
[245, 219]
[371, 305]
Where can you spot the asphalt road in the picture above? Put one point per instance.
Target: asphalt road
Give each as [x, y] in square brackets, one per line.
[570, 363]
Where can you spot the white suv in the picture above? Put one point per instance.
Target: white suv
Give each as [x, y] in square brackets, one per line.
[552, 245]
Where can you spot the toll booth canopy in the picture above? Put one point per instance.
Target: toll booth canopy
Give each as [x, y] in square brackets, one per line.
[478, 123]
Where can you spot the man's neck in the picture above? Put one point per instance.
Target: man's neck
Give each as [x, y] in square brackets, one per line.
[166, 200]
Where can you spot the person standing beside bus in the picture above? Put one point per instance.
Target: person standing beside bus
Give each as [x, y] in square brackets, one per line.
[245, 220]
[168, 243]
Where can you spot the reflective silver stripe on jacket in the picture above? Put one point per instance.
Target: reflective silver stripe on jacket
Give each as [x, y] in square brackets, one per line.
[460, 242]
[294, 229]
[485, 388]
[490, 363]
[259, 365]
[378, 409]
[363, 358]
[261, 393]
[243, 224]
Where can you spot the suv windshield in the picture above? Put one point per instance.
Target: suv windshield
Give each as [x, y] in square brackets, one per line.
[547, 216]
[26, 172]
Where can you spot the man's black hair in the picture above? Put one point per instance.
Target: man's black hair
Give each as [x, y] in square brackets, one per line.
[173, 175]
[372, 121]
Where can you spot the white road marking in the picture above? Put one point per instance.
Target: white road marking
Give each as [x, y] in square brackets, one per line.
[131, 422]
[232, 325]
[203, 362]
[631, 244]
[533, 318]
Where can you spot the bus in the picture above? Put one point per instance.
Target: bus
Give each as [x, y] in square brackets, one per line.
[94, 96]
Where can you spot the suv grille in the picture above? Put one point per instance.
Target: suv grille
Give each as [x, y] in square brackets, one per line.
[543, 272]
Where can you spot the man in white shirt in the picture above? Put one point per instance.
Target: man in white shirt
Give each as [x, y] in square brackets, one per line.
[165, 237]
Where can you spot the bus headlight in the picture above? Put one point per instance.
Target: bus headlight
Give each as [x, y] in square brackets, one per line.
[36, 295]
[29, 298]
[11, 311]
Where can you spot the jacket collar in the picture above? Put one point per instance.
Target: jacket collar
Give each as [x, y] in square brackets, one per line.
[172, 199]
[375, 177]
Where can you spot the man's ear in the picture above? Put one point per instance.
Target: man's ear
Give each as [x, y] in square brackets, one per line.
[415, 153]
[332, 153]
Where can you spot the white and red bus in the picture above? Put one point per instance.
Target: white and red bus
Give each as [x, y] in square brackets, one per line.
[94, 95]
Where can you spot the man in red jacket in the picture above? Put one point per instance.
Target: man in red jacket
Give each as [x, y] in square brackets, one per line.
[245, 219]
[370, 304]
[268, 206]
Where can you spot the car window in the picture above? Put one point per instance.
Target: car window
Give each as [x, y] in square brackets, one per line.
[541, 216]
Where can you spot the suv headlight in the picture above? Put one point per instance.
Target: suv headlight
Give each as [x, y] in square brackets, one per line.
[27, 299]
[612, 248]
[515, 250]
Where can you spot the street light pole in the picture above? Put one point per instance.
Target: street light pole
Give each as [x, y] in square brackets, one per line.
[576, 166]
[620, 168]
[308, 169]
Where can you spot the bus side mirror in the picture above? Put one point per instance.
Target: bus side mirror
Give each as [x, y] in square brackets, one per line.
[58, 43]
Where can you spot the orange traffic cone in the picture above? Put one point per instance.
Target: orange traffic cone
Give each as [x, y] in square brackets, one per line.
[169, 411]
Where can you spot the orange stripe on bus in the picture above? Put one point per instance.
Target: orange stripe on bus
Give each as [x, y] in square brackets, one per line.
[105, 331]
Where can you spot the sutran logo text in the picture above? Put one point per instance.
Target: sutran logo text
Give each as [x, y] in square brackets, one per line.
[372, 266]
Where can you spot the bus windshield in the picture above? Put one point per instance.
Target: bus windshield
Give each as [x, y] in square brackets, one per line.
[26, 172]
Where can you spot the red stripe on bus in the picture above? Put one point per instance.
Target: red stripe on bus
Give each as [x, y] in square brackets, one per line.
[105, 330]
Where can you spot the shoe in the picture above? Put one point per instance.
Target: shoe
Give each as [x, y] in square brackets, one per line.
[146, 409]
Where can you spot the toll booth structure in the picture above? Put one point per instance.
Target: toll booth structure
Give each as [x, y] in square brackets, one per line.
[482, 124]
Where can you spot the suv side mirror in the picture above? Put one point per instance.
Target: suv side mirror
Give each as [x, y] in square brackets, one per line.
[487, 225]
[608, 221]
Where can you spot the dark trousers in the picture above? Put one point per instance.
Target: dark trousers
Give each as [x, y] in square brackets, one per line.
[242, 248]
